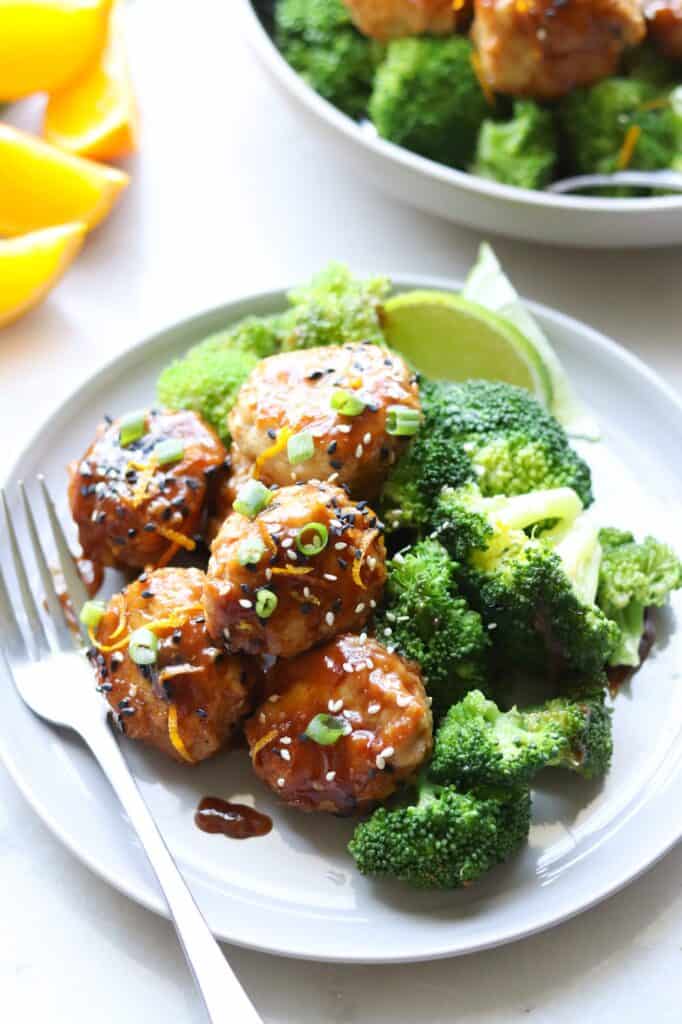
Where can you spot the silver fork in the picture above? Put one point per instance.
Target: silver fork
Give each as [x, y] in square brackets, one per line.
[34, 654]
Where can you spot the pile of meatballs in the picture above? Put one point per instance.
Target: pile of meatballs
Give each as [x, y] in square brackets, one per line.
[273, 640]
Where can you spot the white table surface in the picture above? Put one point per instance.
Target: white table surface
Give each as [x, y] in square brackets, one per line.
[228, 196]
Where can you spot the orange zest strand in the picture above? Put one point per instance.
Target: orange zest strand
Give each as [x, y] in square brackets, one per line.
[292, 570]
[171, 671]
[358, 562]
[278, 445]
[146, 471]
[175, 620]
[628, 148]
[174, 734]
[107, 648]
[122, 623]
[263, 742]
[482, 80]
[355, 383]
[170, 552]
[266, 538]
[178, 538]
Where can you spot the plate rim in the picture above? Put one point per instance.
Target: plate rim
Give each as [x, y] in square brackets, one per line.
[510, 194]
[147, 895]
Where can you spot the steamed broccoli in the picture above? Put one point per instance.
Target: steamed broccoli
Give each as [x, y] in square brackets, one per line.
[477, 744]
[444, 840]
[494, 433]
[426, 618]
[336, 307]
[208, 378]
[597, 119]
[427, 97]
[536, 592]
[521, 151]
[632, 578]
[319, 40]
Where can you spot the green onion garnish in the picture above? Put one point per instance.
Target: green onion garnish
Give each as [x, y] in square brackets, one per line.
[170, 450]
[253, 497]
[131, 427]
[266, 603]
[401, 421]
[347, 403]
[142, 646]
[300, 447]
[317, 536]
[92, 613]
[327, 729]
[250, 551]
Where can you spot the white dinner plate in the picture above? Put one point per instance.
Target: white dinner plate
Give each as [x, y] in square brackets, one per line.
[296, 891]
[467, 199]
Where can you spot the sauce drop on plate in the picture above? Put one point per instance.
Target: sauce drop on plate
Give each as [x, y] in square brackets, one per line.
[236, 821]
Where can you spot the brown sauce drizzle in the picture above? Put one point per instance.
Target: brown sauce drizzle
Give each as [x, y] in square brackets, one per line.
[236, 821]
[618, 675]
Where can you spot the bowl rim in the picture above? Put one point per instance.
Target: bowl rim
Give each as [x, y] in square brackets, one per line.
[450, 176]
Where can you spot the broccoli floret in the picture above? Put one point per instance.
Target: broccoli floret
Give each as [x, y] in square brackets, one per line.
[444, 840]
[494, 433]
[319, 40]
[427, 620]
[426, 97]
[521, 151]
[477, 744]
[208, 378]
[632, 578]
[596, 121]
[536, 591]
[335, 308]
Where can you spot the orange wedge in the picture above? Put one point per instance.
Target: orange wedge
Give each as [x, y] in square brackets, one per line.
[46, 43]
[41, 186]
[96, 116]
[32, 264]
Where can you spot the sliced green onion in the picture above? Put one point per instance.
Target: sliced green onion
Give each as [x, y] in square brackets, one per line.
[317, 534]
[402, 421]
[266, 603]
[142, 646]
[300, 447]
[250, 551]
[253, 497]
[131, 427]
[170, 450]
[327, 729]
[92, 613]
[347, 403]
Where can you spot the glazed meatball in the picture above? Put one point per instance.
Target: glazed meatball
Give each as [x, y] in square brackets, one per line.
[135, 504]
[224, 494]
[664, 22]
[374, 702]
[190, 699]
[304, 393]
[310, 565]
[545, 48]
[390, 19]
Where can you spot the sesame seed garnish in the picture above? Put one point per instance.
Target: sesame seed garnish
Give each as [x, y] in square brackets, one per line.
[344, 428]
[329, 618]
[359, 607]
[347, 714]
[340, 545]
[372, 603]
[492, 625]
[280, 782]
[245, 603]
[372, 563]
[333, 478]
[429, 701]
[330, 776]
[268, 574]
[380, 763]
[373, 708]
[402, 700]
[335, 705]
[387, 631]
[117, 658]
[367, 438]
[330, 576]
[286, 740]
[388, 752]
[285, 755]
[273, 698]
[347, 667]
[390, 650]
[261, 717]
[363, 637]
[292, 556]
[359, 452]
[306, 592]
[287, 542]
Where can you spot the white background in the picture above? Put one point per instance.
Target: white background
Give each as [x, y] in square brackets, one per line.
[229, 196]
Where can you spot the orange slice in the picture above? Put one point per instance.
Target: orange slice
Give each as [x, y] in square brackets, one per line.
[46, 43]
[96, 116]
[40, 186]
[31, 265]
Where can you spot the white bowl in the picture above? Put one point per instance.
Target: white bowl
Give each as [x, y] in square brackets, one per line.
[465, 198]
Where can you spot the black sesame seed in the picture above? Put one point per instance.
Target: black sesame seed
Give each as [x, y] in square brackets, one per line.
[306, 607]
[108, 419]
[272, 434]
[336, 606]
[167, 513]
[101, 516]
[383, 454]
[132, 532]
[192, 484]
[176, 636]
[343, 564]
[119, 540]
[336, 463]
[149, 527]
[201, 713]
[332, 448]
[362, 505]
[315, 375]
[147, 593]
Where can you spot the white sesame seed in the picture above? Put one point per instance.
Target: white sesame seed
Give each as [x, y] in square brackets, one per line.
[360, 607]
[388, 752]
[268, 574]
[226, 635]
[330, 576]
[347, 713]
[335, 705]
[347, 667]
[292, 555]
[344, 428]
[387, 631]
[261, 717]
[329, 618]
[372, 563]
[116, 658]
[287, 542]
[370, 664]
[492, 625]
[340, 545]
[285, 755]
[306, 591]
[373, 708]
[280, 782]
[429, 701]
[402, 700]
[390, 650]
[372, 603]
[245, 603]
[332, 478]
[273, 698]
[359, 452]
[380, 763]
[330, 776]
[367, 438]
[363, 636]
[285, 740]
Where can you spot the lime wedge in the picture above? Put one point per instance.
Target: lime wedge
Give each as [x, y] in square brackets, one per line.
[489, 286]
[448, 337]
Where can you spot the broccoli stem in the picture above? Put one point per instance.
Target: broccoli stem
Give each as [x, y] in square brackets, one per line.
[523, 510]
[581, 553]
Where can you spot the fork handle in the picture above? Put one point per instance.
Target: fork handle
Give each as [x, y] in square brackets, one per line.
[224, 998]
